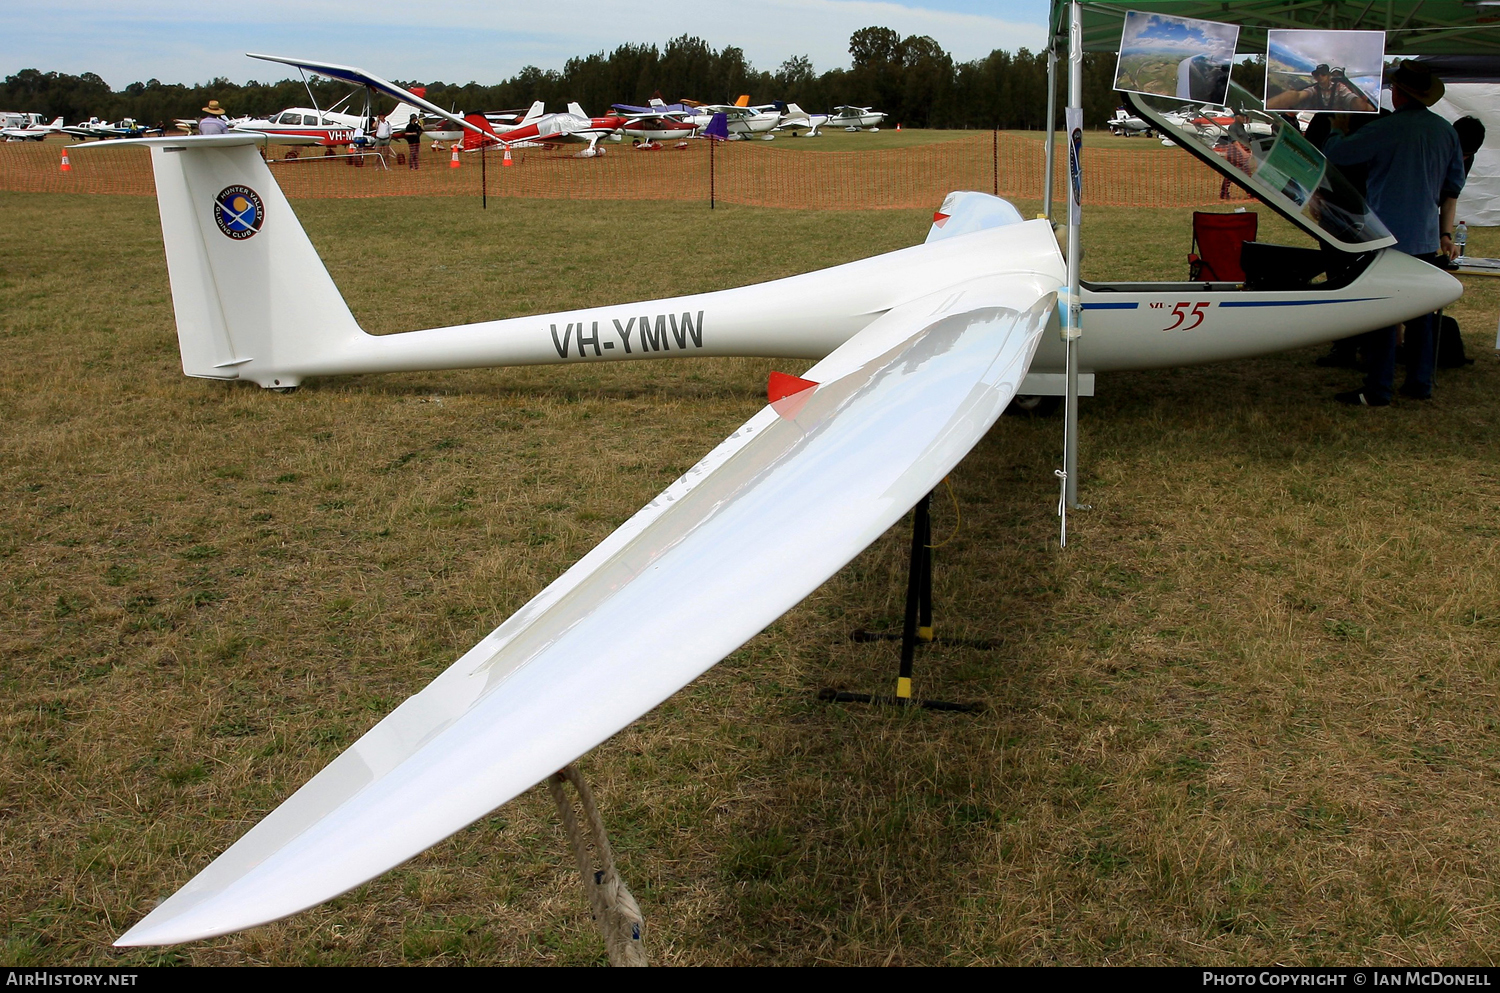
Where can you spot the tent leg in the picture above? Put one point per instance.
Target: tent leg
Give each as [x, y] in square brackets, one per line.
[1051, 151]
[1072, 317]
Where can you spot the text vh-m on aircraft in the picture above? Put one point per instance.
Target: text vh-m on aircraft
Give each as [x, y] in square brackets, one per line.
[280, 319]
[921, 351]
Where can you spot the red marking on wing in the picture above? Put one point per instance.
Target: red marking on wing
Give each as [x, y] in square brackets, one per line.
[789, 394]
[939, 218]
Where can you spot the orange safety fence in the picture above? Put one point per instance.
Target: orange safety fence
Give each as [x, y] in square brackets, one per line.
[742, 172]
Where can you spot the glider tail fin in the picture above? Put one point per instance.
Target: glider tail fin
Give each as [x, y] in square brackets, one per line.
[537, 110]
[252, 298]
[576, 109]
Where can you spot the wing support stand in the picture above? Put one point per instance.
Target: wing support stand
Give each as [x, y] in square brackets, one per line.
[613, 908]
[917, 627]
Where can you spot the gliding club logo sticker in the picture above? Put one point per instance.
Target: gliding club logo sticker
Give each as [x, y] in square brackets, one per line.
[239, 211]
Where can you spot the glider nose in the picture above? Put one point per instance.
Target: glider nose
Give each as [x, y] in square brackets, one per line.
[1416, 287]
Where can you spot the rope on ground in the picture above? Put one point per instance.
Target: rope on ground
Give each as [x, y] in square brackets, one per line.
[614, 909]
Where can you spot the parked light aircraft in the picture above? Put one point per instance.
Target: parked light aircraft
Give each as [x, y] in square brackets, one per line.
[921, 350]
[1125, 124]
[741, 120]
[326, 127]
[573, 127]
[102, 130]
[658, 127]
[33, 129]
[796, 119]
[434, 128]
[855, 118]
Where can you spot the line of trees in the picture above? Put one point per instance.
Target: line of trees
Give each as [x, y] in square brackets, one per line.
[912, 79]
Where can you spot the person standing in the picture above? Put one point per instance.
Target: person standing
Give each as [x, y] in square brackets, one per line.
[212, 121]
[1237, 150]
[413, 135]
[382, 136]
[1416, 171]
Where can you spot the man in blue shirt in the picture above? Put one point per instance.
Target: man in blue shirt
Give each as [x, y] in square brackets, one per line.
[213, 120]
[1416, 171]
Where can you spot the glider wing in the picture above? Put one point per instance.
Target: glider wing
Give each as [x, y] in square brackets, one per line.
[753, 528]
[360, 77]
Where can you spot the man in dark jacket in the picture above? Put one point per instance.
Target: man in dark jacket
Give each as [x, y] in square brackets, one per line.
[1416, 169]
[413, 135]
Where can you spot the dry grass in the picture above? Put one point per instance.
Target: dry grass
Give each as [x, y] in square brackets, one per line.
[1248, 716]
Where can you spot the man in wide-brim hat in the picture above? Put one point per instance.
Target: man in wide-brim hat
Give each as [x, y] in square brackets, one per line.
[1417, 81]
[213, 120]
[1416, 170]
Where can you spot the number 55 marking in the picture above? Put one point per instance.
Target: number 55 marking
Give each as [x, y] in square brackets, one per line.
[1181, 312]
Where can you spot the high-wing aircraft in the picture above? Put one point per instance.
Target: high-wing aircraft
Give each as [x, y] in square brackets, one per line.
[33, 129]
[855, 118]
[326, 127]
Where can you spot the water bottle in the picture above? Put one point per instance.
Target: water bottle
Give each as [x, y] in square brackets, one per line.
[1461, 237]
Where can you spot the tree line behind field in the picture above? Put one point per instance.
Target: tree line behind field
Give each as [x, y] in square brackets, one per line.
[912, 79]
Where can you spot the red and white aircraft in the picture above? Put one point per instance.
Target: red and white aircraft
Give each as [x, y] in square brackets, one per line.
[325, 127]
[32, 130]
[572, 127]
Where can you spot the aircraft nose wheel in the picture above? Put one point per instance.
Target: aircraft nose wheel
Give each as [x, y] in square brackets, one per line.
[285, 391]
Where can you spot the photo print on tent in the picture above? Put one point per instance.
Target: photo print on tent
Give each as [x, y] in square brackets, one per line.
[1181, 57]
[1331, 72]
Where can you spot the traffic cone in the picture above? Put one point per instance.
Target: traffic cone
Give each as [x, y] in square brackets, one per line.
[898, 127]
[65, 167]
[453, 162]
[506, 161]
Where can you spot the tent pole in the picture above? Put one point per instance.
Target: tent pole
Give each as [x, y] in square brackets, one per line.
[1051, 152]
[1071, 317]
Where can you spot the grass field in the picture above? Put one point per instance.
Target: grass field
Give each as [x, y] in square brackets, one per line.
[1248, 716]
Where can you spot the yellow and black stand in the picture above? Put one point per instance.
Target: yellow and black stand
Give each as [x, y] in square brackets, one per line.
[916, 628]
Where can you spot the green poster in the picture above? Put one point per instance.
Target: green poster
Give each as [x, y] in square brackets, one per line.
[1293, 168]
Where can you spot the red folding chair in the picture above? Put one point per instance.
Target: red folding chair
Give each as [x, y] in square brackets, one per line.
[1217, 239]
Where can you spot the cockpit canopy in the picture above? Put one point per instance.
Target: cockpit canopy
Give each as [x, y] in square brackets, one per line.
[1271, 159]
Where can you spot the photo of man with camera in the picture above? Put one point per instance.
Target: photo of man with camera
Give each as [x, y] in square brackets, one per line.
[1330, 91]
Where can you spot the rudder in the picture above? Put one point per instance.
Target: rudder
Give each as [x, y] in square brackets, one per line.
[252, 298]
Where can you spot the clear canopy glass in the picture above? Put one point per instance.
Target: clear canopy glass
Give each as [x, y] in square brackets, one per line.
[1268, 156]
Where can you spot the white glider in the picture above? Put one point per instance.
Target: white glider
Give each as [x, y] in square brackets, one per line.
[258, 305]
[758, 524]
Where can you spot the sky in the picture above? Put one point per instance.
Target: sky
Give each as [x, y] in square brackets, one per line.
[487, 41]
[1180, 35]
